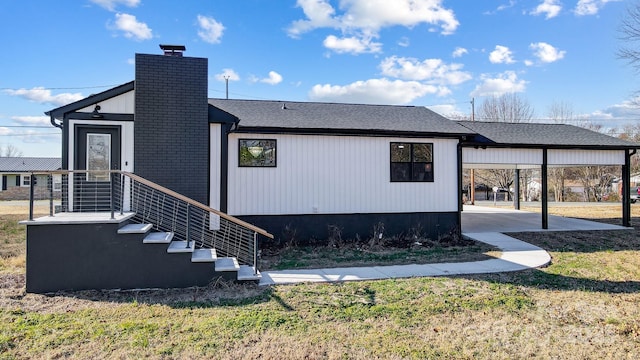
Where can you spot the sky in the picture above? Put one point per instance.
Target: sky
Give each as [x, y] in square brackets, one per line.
[434, 53]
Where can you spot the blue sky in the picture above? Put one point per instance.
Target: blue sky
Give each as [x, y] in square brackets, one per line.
[438, 54]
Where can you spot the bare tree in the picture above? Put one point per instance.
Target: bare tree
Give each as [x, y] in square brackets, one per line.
[10, 151]
[560, 112]
[506, 108]
[630, 34]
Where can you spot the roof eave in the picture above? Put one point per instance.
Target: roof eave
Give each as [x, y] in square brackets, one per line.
[355, 132]
[58, 113]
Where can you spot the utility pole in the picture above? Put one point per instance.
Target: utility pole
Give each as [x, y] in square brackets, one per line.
[472, 179]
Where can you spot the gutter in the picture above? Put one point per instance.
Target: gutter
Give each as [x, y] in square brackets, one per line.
[53, 121]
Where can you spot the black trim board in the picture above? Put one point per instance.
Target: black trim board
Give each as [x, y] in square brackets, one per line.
[103, 116]
[345, 132]
[314, 227]
[542, 146]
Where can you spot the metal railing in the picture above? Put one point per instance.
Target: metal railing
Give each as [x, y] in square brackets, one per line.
[81, 191]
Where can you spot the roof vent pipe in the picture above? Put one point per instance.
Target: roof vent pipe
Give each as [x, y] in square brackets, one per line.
[284, 106]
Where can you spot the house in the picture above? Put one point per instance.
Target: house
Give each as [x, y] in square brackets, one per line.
[15, 174]
[207, 177]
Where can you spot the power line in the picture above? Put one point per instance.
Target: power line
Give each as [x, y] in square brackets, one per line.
[27, 126]
[63, 88]
[30, 134]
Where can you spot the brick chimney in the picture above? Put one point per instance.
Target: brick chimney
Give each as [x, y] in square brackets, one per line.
[171, 121]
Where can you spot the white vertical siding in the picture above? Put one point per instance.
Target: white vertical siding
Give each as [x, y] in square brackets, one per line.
[215, 131]
[338, 174]
[585, 157]
[501, 156]
[121, 104]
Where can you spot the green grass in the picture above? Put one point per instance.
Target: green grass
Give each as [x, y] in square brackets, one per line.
[584, 305]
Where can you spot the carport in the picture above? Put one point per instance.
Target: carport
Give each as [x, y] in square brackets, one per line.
[519, 146]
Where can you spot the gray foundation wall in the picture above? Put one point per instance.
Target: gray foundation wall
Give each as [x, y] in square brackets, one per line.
[94, 256]
[315, 226]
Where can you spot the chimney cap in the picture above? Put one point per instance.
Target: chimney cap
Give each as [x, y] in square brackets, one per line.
[173, 50]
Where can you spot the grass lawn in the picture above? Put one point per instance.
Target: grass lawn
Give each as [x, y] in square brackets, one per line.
[586, 304]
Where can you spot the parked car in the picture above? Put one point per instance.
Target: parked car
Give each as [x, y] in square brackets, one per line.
[635, 195]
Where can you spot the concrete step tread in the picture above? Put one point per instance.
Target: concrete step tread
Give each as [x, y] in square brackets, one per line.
[204, 255]
[247, 273]
[176, 247]
[135, 229]
[227, 264]
[158, 238]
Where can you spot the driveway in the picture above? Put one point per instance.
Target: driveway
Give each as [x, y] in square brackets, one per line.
[479, 219]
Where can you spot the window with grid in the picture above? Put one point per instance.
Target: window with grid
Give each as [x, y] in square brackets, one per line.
[411, 162]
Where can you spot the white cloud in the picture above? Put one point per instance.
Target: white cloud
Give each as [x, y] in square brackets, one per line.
[590, 7]
[504, 83]
[352, 45]
[373, 91]
[111, 4]
[319, 15]
[626, 110]
[434, 71]
[546, 53]
[227, 74]
[44, 96]
[32, 120]
[365, 18]
[273, 79]
[459, 51]
[501, 55]
[210, 30]
[5, 130]
[549, 7]
[501, 7]
[132, 28]
[404, 42]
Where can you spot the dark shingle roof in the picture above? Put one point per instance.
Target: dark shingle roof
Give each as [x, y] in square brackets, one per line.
[562, 135]
[26, 164]
[263, 114]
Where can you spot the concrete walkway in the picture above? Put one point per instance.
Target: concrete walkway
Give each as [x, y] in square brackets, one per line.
[478, 223]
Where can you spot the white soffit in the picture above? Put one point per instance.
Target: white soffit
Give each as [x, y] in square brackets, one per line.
[509, 158]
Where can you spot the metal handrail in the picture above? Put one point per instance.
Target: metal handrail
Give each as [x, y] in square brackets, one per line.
[119, 191]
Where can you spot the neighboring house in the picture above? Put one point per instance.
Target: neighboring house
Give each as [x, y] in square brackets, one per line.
[15, 172]
[290, 168]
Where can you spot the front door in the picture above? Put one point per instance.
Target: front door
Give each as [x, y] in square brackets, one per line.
[97, 150]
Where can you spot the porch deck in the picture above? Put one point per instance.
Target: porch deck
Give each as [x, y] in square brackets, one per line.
[80, 218]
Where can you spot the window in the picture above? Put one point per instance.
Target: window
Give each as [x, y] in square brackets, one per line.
[98, 157]
[257, 153]
[411, 162]
[57, 182]
[26, 180]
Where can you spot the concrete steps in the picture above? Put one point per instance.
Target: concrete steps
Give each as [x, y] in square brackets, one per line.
[221, 264]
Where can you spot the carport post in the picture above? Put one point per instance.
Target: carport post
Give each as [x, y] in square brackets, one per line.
[626, 190]
[545, 195]
[516, 189]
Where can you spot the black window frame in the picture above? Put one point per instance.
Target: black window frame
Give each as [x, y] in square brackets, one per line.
[274, 148]
[411, 171]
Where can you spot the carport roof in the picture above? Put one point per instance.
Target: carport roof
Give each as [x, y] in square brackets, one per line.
[536, 134]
